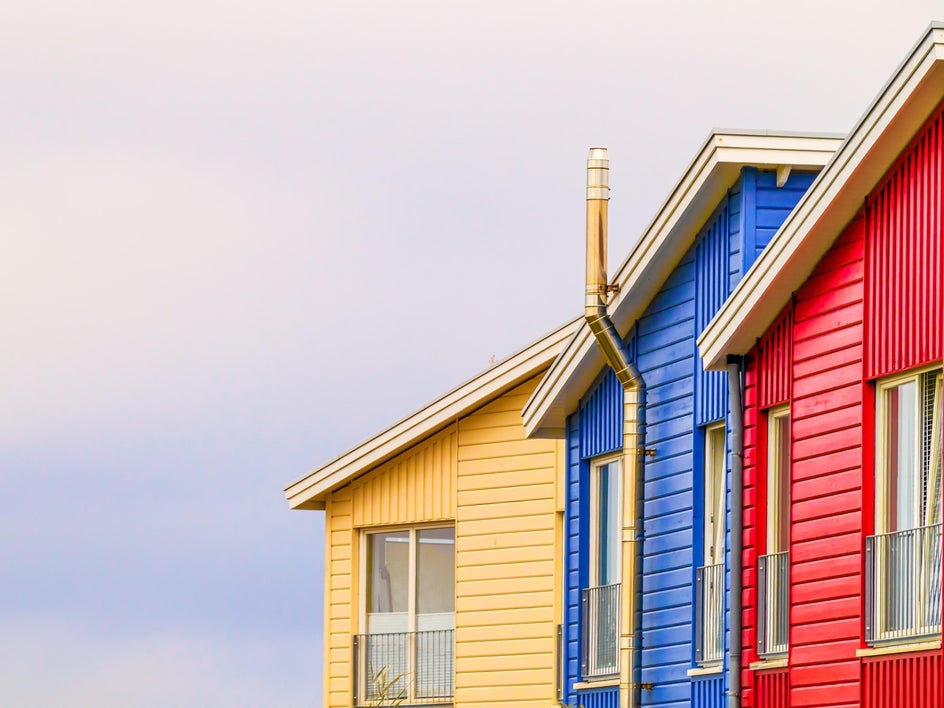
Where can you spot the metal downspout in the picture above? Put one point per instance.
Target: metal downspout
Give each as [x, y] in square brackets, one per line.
[634, 407]
[737, 525]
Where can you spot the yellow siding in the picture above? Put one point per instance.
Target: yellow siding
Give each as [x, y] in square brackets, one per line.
[339, 594]
[506, 548]
[503, 492]
[414, 487]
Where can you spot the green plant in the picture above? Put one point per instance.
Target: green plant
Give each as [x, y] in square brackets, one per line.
[385, 690]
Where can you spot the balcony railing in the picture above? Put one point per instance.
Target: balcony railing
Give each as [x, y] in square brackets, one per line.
[903, 585]
[599, 650]
[773, 584]
[418, 667]
[709, 614]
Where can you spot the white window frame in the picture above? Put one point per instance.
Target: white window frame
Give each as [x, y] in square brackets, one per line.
[595, 467]
[884, 629]
[882, 386]
[715, 493]
[775, 523]
[364, 571]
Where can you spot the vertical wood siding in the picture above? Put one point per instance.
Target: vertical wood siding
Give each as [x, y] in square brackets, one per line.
[416, 486]
[340, 591]
[712, 287]
[904, 257]
[775, 361]
[575, 551]
[826, 487]
[708, 692]
[601, 415]
[507, 576]
[903, 681]
[773, 689]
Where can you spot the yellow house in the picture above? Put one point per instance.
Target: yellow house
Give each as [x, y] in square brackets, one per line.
[443, 539]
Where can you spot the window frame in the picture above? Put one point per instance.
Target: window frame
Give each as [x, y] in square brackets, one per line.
[776, 478]
[715, 480]
[364, 571]
[596, 464]
[880, 470]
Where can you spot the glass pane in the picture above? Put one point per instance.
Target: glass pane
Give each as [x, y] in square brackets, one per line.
[901, 459]
[782, 431]
[606, 507]
[388, 577]
[435, 574]
[714, 495]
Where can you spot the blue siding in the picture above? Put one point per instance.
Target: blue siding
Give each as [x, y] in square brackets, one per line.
[681, 399]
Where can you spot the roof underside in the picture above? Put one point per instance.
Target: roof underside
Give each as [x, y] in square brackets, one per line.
[897, 113]
[672, 232]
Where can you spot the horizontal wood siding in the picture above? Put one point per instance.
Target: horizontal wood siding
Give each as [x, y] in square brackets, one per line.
[575, 551]
[751, 531]
[904, 256]
[340, 591]
[507, 576]
[826, 563]
[666, 359]
[774, 204]
[416, 486]
[903, 681]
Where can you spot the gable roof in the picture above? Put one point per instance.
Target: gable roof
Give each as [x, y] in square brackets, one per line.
[311, 490]
[897, 113]
[671, 233]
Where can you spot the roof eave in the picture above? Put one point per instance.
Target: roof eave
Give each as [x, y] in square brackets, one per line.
[312, 490]
[890, 123]
[715, 168]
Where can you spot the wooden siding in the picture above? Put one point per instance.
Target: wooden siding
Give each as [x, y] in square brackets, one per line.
[775, 362]
[340, 591]
[416, 486]
[507, 558]
[773, 689]
[904, 255]
[826, 562]
[903, 681]
[681, 398]
[752, 538]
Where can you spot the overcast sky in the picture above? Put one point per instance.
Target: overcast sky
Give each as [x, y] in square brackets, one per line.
[240, 237]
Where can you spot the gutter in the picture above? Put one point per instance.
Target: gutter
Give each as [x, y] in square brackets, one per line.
[735, 400]
[634, 408]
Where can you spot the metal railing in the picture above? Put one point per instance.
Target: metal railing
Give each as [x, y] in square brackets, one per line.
[599, 650]
[559, 665]
[417, 666]
[773, 609]
[903, 584]
[709, 614]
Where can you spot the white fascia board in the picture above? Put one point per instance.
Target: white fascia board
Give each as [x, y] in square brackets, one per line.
[310, 491]
[670, 234]
[895, 116]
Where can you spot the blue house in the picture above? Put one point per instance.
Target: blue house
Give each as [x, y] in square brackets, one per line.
[647, 580]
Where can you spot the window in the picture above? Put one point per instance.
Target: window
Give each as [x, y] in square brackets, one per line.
[903, 558]
[709, 578]
[773, 569]
[409, 613]
[601, 600]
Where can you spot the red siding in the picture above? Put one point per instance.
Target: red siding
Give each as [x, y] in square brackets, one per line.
[826, 489]
[774, 354]
[903, 681]
[749, 556]
[773, 689]
[904, 259]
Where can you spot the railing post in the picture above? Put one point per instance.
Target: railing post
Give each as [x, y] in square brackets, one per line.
[699, 614]
[761, 605]
[869, 579]
[356, 662]
[584, 632]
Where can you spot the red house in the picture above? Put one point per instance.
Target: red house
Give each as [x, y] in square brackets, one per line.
[839, 329]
